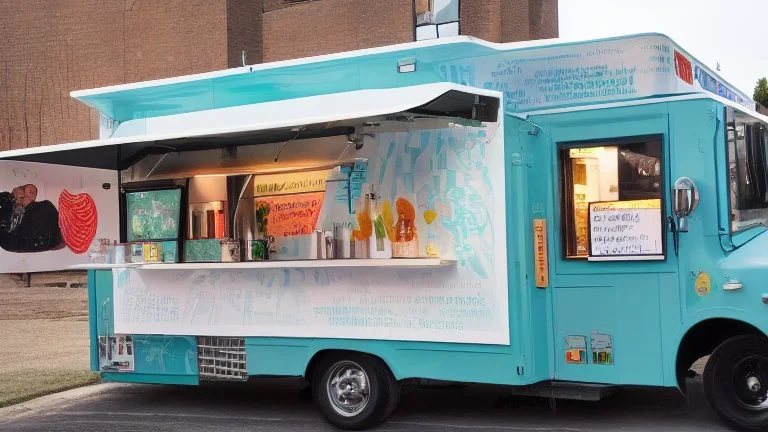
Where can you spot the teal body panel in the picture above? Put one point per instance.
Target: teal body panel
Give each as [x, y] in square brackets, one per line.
[150, 378]
[620, 299]
[649, 306]
[451, 362]
[157, 358]
[93, 333]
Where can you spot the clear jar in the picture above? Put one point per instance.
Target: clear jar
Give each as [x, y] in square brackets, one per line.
[406, 244]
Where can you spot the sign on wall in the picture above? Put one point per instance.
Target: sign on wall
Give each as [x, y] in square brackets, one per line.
[293, 215]
[540, 252]
[592, 72]
[625, 230]
[51, 215]
[285, 184]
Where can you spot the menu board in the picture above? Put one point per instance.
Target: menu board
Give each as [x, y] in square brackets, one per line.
[293, 215]
[625, 230]
[153, 215]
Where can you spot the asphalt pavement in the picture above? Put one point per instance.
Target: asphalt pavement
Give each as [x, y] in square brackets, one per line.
[277, 405]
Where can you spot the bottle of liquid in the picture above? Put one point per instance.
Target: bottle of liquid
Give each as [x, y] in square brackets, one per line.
[406, 244]
[379, 247]
[197, 224]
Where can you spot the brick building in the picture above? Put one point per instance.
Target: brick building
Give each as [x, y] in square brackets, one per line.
[51, 47]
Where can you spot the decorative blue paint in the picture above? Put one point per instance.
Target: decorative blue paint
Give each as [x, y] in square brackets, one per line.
[104, 316]
[165, 355]
[460, 362]
[150, 378]
[93, 336]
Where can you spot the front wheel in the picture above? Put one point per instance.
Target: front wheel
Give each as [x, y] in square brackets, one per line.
[736, 382]
[354, 391]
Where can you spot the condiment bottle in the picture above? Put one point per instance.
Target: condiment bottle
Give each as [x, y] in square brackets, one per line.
[380, 247]
[406, 244]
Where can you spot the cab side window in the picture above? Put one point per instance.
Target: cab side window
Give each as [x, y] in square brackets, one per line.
[610, 171]
[748, 173]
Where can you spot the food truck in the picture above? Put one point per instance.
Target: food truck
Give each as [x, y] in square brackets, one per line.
[559, 218]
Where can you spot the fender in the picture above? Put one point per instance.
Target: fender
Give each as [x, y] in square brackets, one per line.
[758, 321]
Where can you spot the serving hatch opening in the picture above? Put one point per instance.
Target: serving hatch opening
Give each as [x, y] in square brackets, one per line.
[94, 190]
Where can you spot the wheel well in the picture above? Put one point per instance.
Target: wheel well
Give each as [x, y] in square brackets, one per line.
[703, 338]
[318, 356]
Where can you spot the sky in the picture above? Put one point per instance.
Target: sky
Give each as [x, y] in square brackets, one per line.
[732, 32]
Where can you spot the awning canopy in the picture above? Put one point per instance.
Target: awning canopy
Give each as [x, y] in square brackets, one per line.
[271, 122]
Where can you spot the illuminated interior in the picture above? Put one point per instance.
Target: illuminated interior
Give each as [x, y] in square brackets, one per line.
[610, 172]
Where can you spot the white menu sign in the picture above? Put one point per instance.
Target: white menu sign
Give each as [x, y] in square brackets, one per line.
[625, 230]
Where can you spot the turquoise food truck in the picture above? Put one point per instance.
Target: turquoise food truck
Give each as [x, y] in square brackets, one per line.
[558, 218]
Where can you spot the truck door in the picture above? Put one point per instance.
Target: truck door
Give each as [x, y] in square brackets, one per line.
[611, 250]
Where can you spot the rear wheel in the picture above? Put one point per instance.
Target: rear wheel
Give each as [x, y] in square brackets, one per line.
[354, 391]
[736, 382]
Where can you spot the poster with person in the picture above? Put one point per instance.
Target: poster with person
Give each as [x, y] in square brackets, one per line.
[51, 215]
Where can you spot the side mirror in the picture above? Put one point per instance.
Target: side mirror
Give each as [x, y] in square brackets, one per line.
[685, 198]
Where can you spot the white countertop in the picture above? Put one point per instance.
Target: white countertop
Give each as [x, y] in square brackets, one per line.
[323, 263]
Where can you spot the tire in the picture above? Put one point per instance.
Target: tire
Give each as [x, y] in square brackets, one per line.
[736, 382]
[354, 391]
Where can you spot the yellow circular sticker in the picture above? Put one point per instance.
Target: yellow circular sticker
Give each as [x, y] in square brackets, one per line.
[703, 284]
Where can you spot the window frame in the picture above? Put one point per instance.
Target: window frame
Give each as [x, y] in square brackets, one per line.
[565, 202]
[417, 23]
[733, 117]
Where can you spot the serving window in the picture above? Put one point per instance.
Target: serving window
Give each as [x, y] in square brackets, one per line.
[611, 200]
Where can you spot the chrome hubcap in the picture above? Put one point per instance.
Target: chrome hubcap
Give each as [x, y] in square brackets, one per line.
[348, 388]
[754, 384]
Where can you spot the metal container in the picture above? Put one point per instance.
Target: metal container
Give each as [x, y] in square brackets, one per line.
[330, 245]
[230, 250]
[318, 245]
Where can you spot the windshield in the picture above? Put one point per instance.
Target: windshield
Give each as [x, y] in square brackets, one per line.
[748, 172]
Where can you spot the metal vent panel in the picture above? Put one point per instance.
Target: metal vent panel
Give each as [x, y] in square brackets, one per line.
[221, 358]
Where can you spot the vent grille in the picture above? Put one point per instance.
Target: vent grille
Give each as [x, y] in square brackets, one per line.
[221, 358]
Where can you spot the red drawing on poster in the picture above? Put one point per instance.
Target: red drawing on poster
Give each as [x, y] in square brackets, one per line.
[293, 215]
[78, 220]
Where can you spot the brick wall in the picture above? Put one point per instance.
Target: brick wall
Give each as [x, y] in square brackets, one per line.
[51, 47]
[481, 19]
[528, 19]
[244, 29]
[327, 26]
[542, 19]
[45, 280]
